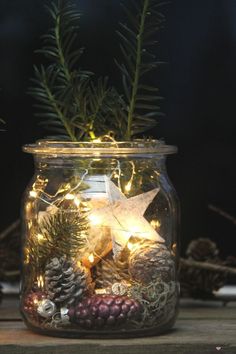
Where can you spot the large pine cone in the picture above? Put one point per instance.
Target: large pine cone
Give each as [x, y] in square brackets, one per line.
[107, 273]
[101, 311]
[66, 282]
[149, 261]
[202, 249]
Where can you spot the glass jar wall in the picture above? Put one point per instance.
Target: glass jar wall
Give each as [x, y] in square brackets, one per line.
[100, 249]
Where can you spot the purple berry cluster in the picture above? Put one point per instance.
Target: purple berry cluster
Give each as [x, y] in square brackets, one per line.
[104, 311]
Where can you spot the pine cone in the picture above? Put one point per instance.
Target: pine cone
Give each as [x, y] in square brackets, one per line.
[151, 260]
[66, 282]
[202, 249]
[107, 273]
[102, 311]
[200, 283]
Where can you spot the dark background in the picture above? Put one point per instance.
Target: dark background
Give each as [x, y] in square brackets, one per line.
[198, 83]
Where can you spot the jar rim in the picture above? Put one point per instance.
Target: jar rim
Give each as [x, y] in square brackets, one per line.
[136, 147]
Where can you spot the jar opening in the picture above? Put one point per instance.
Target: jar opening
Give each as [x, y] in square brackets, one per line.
[137, 147]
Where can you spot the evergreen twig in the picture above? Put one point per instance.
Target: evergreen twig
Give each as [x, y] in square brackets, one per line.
[63, 233]
[136, 43]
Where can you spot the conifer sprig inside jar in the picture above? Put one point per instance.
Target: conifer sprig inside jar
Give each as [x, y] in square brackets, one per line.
[100, 206]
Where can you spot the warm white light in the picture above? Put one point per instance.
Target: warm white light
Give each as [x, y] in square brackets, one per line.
[40, 237]
[128, 186]
[70, 196]
[155, 224]
[130, 246]
[98, 140]
[77, 201]
[40, 281]
[94, 219]
[33, 194]
[91, 258]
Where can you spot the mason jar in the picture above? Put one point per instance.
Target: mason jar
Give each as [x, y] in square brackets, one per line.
[100, 245]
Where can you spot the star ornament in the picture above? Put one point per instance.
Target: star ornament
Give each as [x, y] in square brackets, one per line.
[125, 218]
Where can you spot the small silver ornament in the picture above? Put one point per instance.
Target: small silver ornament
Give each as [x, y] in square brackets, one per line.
[64, 315]
[119, 289]
[46, 308]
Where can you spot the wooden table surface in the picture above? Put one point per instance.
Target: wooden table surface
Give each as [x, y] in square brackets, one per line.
[202, 327]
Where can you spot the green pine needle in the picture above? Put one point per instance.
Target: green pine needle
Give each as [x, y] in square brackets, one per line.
[137, 40]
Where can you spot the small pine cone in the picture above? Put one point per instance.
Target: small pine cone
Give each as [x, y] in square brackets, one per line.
[66, 282]
[202, 249]
[149, 261]
[200, 283]
[101, 311]
[107, 273]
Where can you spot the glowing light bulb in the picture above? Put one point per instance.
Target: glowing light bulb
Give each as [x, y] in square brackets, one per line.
[155, 224]
[40, 238]
[91, 258]
[70, 196]
[94, 219]
[35, 301]
[128, 187]
[77, 201]
[40, 281]
[33, 194]
[98, 140]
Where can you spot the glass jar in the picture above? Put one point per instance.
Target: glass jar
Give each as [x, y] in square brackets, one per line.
[100, 249]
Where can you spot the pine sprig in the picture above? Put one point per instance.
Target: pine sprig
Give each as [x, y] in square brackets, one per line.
[62, 234]
[137, 40]
[70, 101]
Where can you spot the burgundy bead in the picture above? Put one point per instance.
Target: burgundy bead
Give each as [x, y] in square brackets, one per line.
[125, 308]
[103, 311]
[84, 313]
[94, 311]
[119, 300]
[132, 309]
[115, 310]
[129, 302]
[108, 300]
[96, 300]
[87, 302]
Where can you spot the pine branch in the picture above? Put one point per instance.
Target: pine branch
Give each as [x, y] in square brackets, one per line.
[60, 81]
[71, 102]
[136, 42]
[63, 233]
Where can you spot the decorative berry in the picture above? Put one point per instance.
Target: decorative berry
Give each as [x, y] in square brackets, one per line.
[102, 311]
[31, 302]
